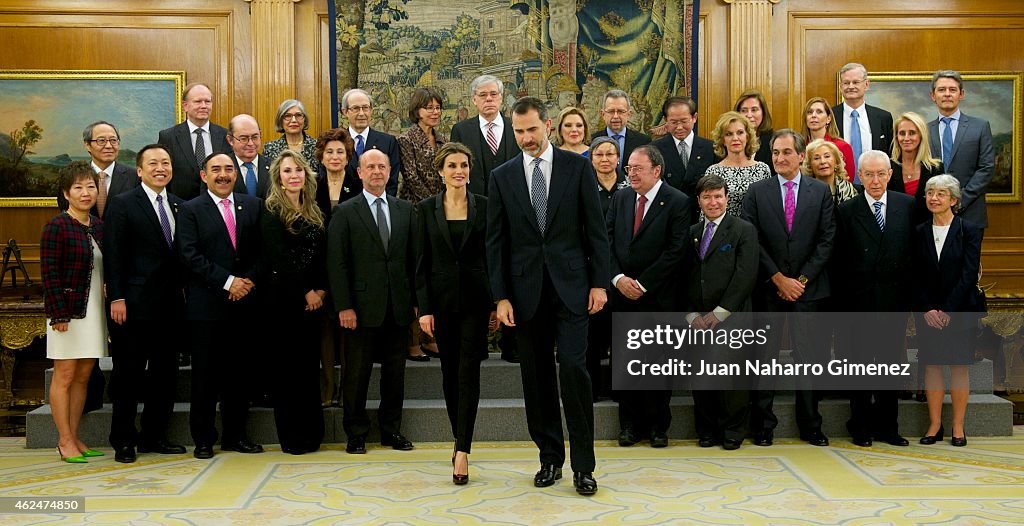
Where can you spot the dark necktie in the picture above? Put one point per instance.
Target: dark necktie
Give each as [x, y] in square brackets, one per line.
[622, 146]
[684, 153]
[705, 241]
[879, 218]
[250, 178]
[359, 145]
[539, 196]
[947, 141]
[639, 214]
[200, 148]
[165, 223]
[382, 223]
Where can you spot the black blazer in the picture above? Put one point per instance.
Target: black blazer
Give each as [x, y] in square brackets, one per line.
[186, 183]
[365, 277]
[702, 156]
[921, 212]
[208, 257]
[947, 283]
[262, 176]
[377, 140]
[872, 268]
[634, 138]
[468, 132]
[654, 256]
[727, 275]
[764, 149]
[573, 250]
[451, 278]
[138, 265]
[351, 186]
[880, 122]
[123, 180]
[803, 252]
[295, 263]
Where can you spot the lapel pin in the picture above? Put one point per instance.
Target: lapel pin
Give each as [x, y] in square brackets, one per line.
[239, 208]
[661, 203]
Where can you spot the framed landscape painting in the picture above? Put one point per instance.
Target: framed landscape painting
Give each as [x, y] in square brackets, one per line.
[992, 95]
[45, 113]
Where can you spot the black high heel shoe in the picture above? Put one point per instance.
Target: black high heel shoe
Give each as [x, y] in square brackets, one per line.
[458, 480]
[931, 439]
[958, 441]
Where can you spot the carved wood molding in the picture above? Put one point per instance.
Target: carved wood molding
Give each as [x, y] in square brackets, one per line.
[750, 45]
[273, 58]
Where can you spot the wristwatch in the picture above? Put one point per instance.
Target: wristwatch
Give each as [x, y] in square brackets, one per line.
[802, 279]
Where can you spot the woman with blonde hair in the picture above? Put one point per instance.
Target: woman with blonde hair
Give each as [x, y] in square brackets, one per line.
[572, 131]
[820, 123]
[912, 161]
[736, 143]
[823, 162]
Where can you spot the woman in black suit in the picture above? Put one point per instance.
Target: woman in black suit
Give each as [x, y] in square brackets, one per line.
[453, 292]
[295, 246]
[912, 162]
[752, 105]
[947, 252]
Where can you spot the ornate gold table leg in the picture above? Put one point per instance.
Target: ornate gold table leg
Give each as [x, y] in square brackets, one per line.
[17, 330]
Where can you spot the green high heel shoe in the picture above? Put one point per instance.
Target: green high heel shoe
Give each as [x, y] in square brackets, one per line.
[88, 453]
[71, 460]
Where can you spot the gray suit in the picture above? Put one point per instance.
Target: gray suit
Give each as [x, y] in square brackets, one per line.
[972, 162]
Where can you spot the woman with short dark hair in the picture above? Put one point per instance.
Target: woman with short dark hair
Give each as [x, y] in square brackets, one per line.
[292, 121]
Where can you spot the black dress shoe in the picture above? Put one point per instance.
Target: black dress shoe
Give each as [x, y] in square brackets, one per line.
[861, 441]
[763, 438]
[815, 438]
[895, 440]
[162, 447]
[706, 441]
[659, 439]
[931, 439]
[731, 444]
[627, 437]
[203, 451]
[547, 475]
[241, 446]
[124, 455]
[356, 445]
[294, 450]
[396, 441]
[510, 356]
[418, 358]
[584, 482]
[958, 441]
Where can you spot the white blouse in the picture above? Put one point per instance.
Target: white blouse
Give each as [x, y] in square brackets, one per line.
[939, 233]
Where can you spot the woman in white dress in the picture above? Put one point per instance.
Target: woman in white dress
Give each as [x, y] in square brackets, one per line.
[76, 335]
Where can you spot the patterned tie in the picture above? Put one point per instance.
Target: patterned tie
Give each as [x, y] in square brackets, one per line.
[790, 203]
[539, 196]
[879, 218]
[359, 145]
[101, 198]
[492, 141]
[165, 223]
[200, 147]
[947, 141]
[229, 221]
[855, 143]
[705, 241]
[382, 223]
[639, 214]
[250, 178]
[684, 153]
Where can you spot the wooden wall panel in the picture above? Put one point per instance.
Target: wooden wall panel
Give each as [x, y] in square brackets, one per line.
[313, 48]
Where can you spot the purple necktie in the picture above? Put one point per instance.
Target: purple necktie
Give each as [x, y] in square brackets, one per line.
[790, 205]
[165, 224]
[705, 241]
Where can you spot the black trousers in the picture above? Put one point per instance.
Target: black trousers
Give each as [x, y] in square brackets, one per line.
[363, 346]
[296, 388]
[220, 368]
[462, 342]
[599, 341]
[555, 323]
[145, 370]
[879, 339]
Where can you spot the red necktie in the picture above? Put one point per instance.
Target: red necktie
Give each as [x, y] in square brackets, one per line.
[639, 213]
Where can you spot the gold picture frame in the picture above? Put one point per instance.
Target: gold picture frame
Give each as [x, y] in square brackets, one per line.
[991, 95]
[60, 104]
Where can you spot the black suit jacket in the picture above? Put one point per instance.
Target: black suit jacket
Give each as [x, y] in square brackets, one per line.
[452, 278]
[702, 156]
[363, 275]
[633, 139]
[573, 250]
[871, 268]
[947, 283]
[468, 132]
[803, 252]
[880, 122]
[727, 275]
[123, 179]
[138, 265]
[186, 183]
[208, 257]
[653, 256]
[350, 187]
[262, 176]
[377, 140]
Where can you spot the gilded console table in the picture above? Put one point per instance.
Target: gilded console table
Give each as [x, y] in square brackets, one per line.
[22, 320]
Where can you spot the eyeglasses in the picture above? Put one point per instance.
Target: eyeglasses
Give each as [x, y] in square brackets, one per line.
[293, 117]
[246, 139]
[360, 109]
[488, 94]
[635, 168]
[104, 141]
[848, 83]
[432, 108]
[874, 175]
[615, 112]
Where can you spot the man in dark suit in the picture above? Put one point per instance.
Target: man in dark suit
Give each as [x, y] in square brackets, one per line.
[252, 168]
[687, 156]
[357, 107]
[616, 111]
[193, 140]
[795, 224]
[964, 144]
[143, 277]
[371, 268]
[724, 256]
[647, 227]
[547, 256]
[489, 136]
[871, 253]
[864, 127]
[103, 142]
[220, 248]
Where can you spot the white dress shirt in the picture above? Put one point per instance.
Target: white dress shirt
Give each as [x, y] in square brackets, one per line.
[547, 157]
[499, 127]
[862, 122]
[207, 139]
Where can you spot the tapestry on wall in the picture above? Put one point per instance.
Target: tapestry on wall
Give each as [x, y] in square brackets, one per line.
[566, 52]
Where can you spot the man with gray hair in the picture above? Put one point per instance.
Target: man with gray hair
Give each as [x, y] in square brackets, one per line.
[488, 135]
[864, 127]
[616, 111]
[357, 106]
[103, 142]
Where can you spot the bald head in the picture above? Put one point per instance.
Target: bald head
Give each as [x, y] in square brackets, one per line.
[244, 137]
[374, 170]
